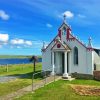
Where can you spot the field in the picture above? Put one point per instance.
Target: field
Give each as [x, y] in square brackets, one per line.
[15, 56]
[23, 70]
[61, 90]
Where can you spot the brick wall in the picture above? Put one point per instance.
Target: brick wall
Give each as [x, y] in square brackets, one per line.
[96, 75]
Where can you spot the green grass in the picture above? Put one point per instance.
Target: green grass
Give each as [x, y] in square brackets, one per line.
[16, 56]
[18, 70]
[60, 90]
[13, 56]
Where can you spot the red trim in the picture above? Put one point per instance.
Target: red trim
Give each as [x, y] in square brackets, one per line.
[56, 43]
[71, 39]
[90, 49]
[79, 41]
[59, 34]
[68, 33]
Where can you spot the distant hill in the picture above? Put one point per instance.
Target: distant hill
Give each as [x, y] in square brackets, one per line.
[15, 56]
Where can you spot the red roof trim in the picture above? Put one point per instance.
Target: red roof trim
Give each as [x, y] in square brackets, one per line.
[73, 38]
[56, 43]
[90, 49]
[79, 41]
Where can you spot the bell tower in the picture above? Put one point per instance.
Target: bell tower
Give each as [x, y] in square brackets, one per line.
[64, 30]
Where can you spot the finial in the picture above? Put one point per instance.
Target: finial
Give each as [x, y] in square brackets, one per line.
[64, 18]
[43, 45]
[90, 42]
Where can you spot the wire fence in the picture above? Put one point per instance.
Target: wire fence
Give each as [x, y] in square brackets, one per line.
[12, 67]
[46, 78]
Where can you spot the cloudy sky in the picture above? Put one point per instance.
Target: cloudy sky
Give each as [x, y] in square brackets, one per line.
[25, 24]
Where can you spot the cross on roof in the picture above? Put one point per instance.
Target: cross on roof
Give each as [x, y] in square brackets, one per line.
[64, 18]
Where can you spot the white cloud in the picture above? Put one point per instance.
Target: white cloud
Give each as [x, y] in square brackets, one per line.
[49, 25]
[81, 16]
[17, 41]
[4, 37]
[68, 14]
[3, 15]
[21, 43]
[38, 44]
[28, 43]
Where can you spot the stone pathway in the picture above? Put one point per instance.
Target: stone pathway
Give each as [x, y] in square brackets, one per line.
[4, 79]
[27, 89]
[8, 78]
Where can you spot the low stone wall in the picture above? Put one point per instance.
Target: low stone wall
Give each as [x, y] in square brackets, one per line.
[81, 76]
[96, 75]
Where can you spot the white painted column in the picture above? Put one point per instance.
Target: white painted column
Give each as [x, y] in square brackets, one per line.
[69, 62]
[65, 65]
[53, 66]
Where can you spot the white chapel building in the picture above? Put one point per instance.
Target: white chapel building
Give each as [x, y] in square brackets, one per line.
[66, 54]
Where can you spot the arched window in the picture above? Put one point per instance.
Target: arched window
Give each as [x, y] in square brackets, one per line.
[64, 31]
[75, 55]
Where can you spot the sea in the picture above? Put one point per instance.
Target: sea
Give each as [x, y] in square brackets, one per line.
[16, 61]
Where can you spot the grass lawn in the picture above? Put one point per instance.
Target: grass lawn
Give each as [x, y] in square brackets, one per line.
[15, 56]
[12, 56]
[18, 70]
[61, 90]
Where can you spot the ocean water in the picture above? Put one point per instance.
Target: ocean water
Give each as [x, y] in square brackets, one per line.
[16, 61]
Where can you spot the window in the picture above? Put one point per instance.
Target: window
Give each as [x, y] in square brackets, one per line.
[75, 55]
[64, 31]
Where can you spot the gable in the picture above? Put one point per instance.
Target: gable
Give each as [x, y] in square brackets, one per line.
[60, 46]
[63, 25]
[66, 36]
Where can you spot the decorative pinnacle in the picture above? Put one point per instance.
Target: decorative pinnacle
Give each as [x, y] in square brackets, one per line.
[43, 45]
[90, 42]
[64, 18]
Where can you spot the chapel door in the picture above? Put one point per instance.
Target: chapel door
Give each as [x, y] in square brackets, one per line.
[62, 63]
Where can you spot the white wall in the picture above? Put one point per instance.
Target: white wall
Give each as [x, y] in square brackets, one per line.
[97, 60]
[90, 62]
[85, 58]
[85, 63]
[46, 58]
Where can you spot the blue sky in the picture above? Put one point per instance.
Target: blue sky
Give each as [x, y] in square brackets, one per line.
[25, 24]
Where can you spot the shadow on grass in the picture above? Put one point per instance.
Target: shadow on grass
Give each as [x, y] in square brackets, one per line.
[29, 75]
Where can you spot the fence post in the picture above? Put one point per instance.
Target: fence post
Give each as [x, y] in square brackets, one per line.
[32, 81]
[44, 78]
[54, 77]
[7, 67]
[22, 66]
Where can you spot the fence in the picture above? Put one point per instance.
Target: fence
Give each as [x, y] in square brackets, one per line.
[12, 67]
[46, 78]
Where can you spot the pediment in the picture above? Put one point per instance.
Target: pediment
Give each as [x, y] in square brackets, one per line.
[60, 46]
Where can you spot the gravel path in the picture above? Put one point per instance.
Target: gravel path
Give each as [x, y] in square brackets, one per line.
[27, 89]
[4, 79]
